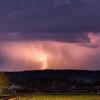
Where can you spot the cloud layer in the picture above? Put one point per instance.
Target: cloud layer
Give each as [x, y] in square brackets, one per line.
[26, 55]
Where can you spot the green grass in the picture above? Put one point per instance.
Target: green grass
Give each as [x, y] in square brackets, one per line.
[59, 97]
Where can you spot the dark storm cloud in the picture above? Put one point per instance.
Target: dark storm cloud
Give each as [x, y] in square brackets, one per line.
[69, 37]
[63, 37]
[63, 20]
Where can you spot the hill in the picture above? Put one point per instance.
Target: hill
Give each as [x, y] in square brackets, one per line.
[56, 74]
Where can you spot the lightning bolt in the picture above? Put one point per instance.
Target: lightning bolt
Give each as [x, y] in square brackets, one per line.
[43, 60]
[41, 57]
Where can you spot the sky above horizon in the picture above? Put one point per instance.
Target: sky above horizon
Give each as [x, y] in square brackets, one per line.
[49, 34]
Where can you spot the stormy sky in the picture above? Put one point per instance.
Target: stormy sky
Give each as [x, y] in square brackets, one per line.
[49, 34]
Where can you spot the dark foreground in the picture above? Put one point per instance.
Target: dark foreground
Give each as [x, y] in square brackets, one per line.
[54, 81]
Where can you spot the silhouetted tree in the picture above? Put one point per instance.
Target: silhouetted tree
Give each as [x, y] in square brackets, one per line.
[4, 82]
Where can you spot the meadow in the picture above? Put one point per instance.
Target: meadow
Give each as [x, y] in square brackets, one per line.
[58, 97]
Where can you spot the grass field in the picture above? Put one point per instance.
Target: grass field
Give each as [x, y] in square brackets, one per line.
[58, 97]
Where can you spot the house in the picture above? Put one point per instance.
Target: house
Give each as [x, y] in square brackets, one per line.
[96, 89]
[14, 88]
[72, 89]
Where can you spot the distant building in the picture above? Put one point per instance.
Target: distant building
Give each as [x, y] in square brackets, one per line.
[72, 89]
[14, 88]
[96, 89]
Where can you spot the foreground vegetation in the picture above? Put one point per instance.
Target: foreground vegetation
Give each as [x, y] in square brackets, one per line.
[59, 97]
